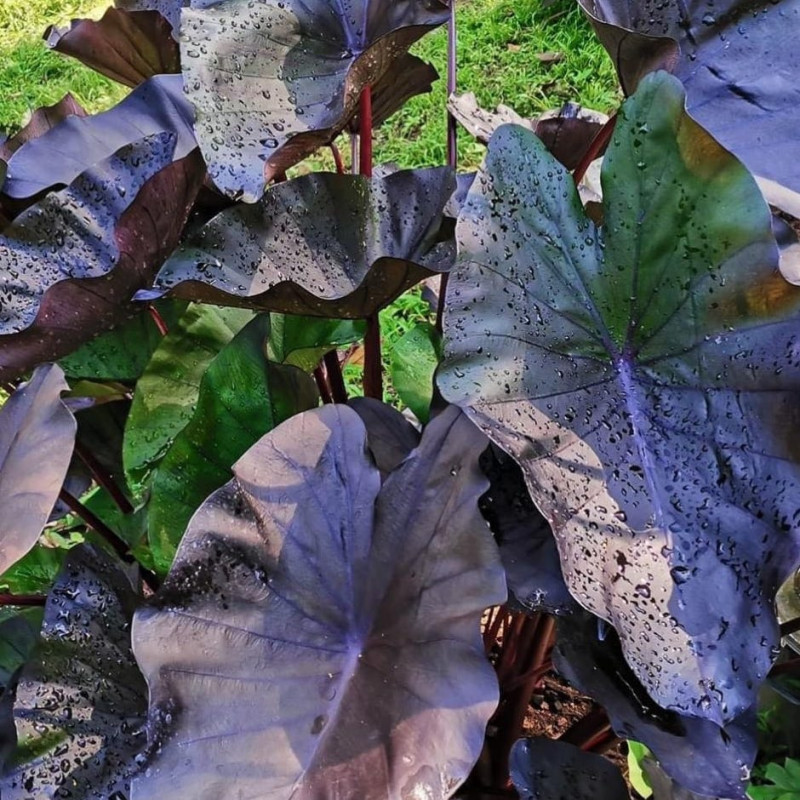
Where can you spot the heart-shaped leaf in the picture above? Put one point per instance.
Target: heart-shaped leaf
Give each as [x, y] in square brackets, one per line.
[128, 47]
[545, 769]
[264, 102]
[81, 701]
[697, 753]
[167, 392]
[37, 434]
[644, 376]
[60, 155]
[318, 635]
[738, 62]
[241, 397]
[527, 547]
[71, 263]
[322, 245]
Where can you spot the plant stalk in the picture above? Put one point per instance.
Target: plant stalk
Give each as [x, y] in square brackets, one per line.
[452, 137]
[373, 367]
[322, 385]
[108, 535]
[103, 478]
[335, 380]
[337, 158]
[162, 326]
[596, 147]
[22, 599]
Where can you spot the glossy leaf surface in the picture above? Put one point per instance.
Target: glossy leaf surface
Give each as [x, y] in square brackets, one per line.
[123, 353]
[321, 245]
[37, 434]
[167, 392]
[242, 396]
[81, 701]
[644, 377]
[303, 341]
[71, 263]
[318, 635]
[77, 144]
[546, 769]
[264, 102]
[738, 60]
[697, 753]
[415, 356]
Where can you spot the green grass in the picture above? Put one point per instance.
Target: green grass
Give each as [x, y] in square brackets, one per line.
[499, 41]
[31, 75]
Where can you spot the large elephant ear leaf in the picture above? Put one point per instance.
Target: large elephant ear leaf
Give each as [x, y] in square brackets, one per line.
[37, 435]
[644, 377]
[318, 635]
[322, 245]
[81, 702]
[546, 769]
[241, 397]
[265, 102]
[60, 155]
[71, 264]
[738, 63]
[697, 753]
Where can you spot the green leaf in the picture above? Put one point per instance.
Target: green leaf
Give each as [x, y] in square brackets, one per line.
[167, 391]
[122, 354]
[415, 357]
[242, 397]
[35, 572]
[303, 341]
[19, 631]
[644, 376]
[637, 752]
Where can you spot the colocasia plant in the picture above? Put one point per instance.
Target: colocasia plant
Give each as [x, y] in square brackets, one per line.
[223, 577]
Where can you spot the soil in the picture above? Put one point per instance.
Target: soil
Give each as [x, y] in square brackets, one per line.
[555, 707]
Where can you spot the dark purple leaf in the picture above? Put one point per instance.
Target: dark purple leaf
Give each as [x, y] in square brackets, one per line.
[37, 434]
[699, 754]
[527, 547]
[42, 120]
[664, 788]
[59, 156]
[169, 9]
[128, 47]
[544, 769]
[408, 77]
[318, 635]
[322, 245]
[739, 62]
[72, 262]
[390, 436]
[644, 375]
[567, 133]
[81, 701]
[264, 102]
